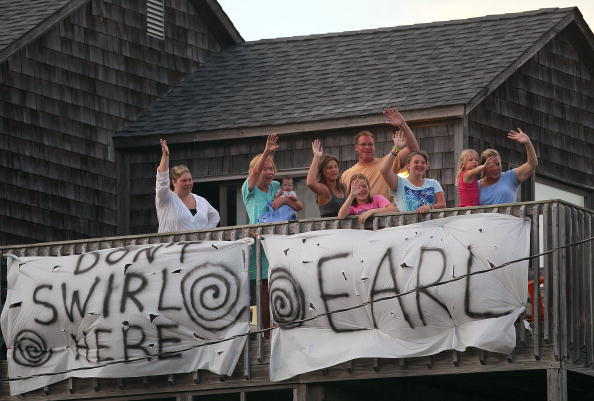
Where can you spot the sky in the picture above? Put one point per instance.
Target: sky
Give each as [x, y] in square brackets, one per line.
[265, 19]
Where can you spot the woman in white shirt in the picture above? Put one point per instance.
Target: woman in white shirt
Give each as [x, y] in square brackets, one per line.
[178, 209]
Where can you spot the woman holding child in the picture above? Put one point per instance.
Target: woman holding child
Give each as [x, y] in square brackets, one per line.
[259, 189]
[495, 187]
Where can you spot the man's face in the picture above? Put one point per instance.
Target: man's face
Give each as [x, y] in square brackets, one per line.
[365, 148]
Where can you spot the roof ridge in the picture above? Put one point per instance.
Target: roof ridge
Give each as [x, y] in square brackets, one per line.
[413, 26]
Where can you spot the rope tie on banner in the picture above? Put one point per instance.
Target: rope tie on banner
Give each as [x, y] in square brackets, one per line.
[292, 323]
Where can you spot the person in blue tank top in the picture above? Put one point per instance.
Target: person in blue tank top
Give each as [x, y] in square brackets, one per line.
[497, 187]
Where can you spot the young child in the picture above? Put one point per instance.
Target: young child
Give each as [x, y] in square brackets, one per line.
[286, 189]
[360, 203]
[467, 177]
[284, 200]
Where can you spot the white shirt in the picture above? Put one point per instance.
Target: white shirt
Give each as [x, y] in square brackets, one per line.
[174, 215]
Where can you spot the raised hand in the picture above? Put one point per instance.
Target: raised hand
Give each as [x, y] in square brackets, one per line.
[271, 143]
[490, 161]
[317, 149]
[399, 140]
[394, 117]
[356, 188]
[164, 147]
[518, 136]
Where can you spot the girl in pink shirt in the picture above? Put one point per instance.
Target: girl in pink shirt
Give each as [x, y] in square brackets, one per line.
[467, 177]
[360, 203]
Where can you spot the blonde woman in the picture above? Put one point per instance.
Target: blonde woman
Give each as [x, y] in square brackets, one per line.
[260, 189]
[178, 209]
[498, 187]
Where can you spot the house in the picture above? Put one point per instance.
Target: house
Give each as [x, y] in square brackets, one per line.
[72, 74]
[459, 83]
[89, 87]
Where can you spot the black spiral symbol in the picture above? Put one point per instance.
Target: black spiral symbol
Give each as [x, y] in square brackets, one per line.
[30, 349]
[210, 293]
[286, 298]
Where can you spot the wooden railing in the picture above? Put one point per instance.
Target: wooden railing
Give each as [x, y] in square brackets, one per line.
[561, 339]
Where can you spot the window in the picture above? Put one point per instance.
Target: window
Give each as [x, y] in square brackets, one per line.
[155, 18]
[553, 190]
[544, 192]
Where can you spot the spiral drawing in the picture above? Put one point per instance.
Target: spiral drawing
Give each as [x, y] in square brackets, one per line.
[286, 299]
[211, 293]
[30, 349]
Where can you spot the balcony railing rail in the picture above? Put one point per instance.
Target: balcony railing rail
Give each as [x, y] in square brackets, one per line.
[562, 336]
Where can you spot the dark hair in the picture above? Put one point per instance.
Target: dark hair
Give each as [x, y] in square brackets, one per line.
[285, 177]
[322, 165]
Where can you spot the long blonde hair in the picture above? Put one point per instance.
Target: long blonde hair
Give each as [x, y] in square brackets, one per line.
[462, 162]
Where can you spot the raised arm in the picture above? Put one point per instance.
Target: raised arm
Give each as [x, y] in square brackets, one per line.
[162, 190]
[469, 175]
[525, 171]
[395, 119]
[344, 209]
[254, 173]
[388, 161]
[164, 164]
[312, 182]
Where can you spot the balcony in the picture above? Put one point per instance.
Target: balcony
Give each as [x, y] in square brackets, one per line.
[558, 338]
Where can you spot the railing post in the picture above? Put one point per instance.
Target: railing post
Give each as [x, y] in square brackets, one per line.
[588, 260]
[246, 348]
[556, 282]
[535, 266]
[562, 254]
[259, 297]
[547, 269]
[556, 384]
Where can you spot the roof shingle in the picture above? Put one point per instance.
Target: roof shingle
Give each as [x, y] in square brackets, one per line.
[312, 78]
[17, 17]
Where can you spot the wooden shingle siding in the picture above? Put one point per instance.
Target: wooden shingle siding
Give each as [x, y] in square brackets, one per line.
[231, 158]
[65, 94]
[551, 98]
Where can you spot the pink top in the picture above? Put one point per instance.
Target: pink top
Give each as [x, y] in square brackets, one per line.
[468, 192]
[377, 202]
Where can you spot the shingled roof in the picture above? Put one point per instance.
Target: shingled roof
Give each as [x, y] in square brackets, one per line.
[318, 77]
[17, 17]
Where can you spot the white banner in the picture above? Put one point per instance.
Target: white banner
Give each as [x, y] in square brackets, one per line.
[321, 272]
[103, 313]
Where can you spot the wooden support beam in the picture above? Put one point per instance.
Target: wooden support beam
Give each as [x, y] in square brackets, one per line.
[308, 392]
[556, 384]
[184, 397]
